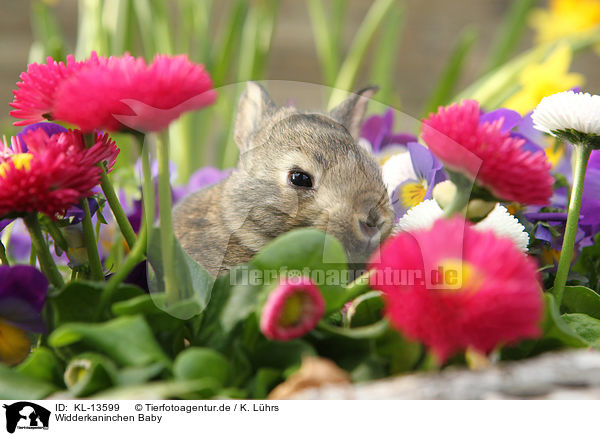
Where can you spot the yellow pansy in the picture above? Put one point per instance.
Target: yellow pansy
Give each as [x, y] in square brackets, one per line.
[14, 344]
[565, 18]
[539, 80]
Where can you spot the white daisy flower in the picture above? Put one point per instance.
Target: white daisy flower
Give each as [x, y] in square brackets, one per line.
[499, 220]
[574, 116]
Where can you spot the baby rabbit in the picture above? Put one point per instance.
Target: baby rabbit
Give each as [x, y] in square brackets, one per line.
[295, 169]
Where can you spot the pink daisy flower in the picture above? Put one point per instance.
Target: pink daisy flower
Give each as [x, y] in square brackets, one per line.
[113, 94]
[36, 93]
[54, 172]
[483, 152]
[466, 288]
[293, 309]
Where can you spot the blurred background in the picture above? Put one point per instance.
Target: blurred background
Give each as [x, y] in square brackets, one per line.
[421, 52]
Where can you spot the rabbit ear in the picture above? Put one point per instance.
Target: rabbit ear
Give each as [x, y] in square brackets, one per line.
[254, 106]
[351, 111]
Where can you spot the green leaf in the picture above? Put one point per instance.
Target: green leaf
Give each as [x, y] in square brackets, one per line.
[128, 340]
[197, 363]
[555, 327]
[209, 328]
[194, 282]
[585, 326]
[139, 375]
[285, 356]
[365, 309]
[399, 354]
[78, 300]
[89, 373]
[162, 390]
[155, 304]
[370, 368]
[264, 381]
[452, 71]
[510, 33]
[242, 301]
[310, 250]
[349, 68]
[41, 364]
[556, 334]
[17, 386]
[579, 299]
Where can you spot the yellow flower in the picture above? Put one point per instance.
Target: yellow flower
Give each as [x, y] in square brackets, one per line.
[14, 344]
[539, 80]
[564, 18]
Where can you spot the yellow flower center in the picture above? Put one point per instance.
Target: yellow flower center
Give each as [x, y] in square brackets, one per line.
[458, 274]
[20, 161]
[413, 193]
[293, 309]
[14, 344]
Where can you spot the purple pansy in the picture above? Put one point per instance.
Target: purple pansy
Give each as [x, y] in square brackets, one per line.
[411, 176]
[377, 131]
[49, 128]
[76, 212]
[202, 178]
[22, 296]
[4, 223]
[590, 204]
[589, 219]
[518, 126]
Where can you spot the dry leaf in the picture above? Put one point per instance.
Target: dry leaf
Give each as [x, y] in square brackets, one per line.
[314, 372]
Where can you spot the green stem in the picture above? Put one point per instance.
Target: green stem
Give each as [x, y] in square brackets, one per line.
[323, 35]
[367, 332]
[359, 286]
[90, 242]
[147, 186]
[582, 155]
[167, 240]
[510, 33]
[39, 244]
[351, 65]
[136, 255]
[32, 256]
[3, 258]
[117, 209]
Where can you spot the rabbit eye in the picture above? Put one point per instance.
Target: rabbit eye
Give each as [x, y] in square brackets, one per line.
[300, 179]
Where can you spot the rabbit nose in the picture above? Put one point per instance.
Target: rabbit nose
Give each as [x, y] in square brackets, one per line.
[368, 227]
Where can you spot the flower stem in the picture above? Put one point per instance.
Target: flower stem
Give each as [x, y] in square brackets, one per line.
[3, 258]
[359, 286]
[167, 241]
[148, 187]
[365, 332]
[135, 256]
[117, 209]
[43, 254]
[582, 155]
[90, 242]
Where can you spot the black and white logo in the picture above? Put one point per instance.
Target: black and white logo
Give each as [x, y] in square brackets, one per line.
[26, 415]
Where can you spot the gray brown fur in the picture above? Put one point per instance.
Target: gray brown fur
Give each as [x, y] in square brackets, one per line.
[227, 223]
